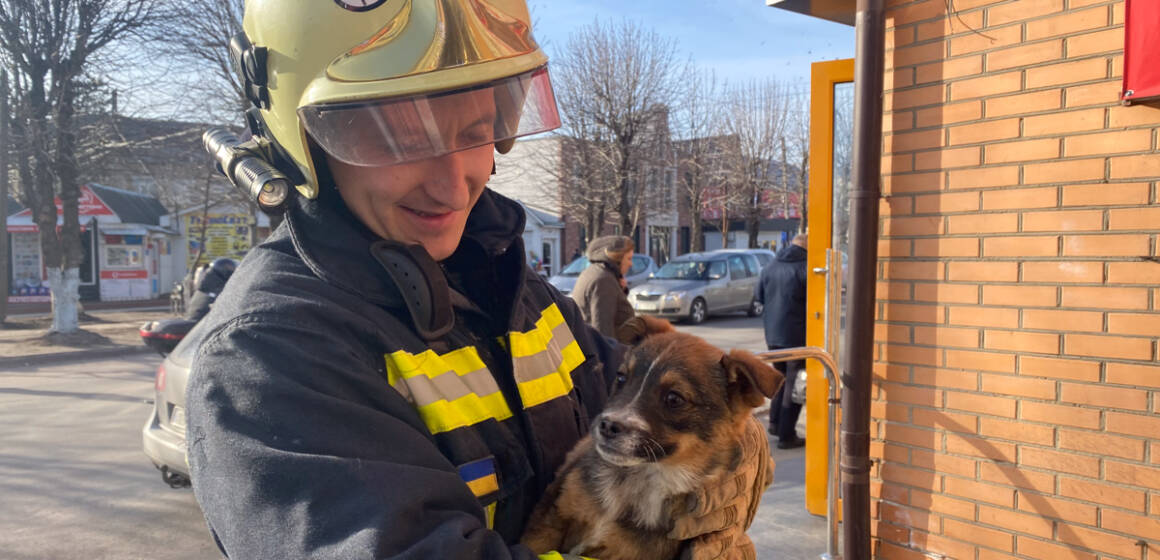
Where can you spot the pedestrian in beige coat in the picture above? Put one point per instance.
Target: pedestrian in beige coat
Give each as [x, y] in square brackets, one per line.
[600, 289]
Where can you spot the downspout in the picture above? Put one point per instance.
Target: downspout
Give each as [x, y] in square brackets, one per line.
[869, 62]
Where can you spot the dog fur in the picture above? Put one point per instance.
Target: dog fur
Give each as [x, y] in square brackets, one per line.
[677, 412]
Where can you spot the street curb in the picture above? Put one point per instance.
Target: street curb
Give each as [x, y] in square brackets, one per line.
[60, 357]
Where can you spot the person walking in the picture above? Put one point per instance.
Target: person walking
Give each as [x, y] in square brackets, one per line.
[782, 290]
[385, 376]
[599, 290]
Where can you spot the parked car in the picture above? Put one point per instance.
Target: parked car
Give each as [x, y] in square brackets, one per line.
[164, 432]
[696, 285]
[764, 256]
[642, 266]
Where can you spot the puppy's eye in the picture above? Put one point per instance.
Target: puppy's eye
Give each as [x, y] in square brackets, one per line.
[621, 379]
[674, 399]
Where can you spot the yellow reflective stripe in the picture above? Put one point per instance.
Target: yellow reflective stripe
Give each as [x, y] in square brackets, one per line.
[557, 556]
[536, 340]
[543, 358]
[449, 391]
[489, 510]
[444, 416]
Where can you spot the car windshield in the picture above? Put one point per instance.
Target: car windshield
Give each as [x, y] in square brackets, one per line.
[575, 267]
[686, 270]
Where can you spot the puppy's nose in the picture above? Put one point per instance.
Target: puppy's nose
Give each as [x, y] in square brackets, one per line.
[609, 429]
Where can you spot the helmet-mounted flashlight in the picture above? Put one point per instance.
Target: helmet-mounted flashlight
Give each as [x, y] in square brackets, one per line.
[244, 165]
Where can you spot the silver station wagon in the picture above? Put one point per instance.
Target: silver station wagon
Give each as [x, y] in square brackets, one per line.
[695, 285]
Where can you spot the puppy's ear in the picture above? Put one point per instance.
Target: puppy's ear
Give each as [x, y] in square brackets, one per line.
[750, 378]
[638, 328]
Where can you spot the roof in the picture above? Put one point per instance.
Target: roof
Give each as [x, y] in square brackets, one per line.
[542, 217]
[131, 207]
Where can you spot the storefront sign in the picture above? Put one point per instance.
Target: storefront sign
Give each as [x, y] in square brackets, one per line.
[123, 274]
[226, 235]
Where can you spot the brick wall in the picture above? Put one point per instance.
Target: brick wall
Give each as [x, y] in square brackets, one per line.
[1017, 395]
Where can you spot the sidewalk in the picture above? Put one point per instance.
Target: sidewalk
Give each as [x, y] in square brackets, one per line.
[106, 334]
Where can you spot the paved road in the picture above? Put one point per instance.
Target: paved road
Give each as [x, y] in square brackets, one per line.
[74, 483]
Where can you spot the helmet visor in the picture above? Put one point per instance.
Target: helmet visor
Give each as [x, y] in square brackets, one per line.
[398, 130]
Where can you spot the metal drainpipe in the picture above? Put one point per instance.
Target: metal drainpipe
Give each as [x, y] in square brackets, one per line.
[869, 61]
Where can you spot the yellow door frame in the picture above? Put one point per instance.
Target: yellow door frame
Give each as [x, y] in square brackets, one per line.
[823, 77]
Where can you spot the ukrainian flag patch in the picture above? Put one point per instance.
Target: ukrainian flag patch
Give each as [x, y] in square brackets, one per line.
[480, 477]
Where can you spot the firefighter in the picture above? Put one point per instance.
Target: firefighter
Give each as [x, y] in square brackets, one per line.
[385, 377]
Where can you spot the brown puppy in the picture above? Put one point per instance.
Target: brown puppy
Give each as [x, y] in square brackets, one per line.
[674, 420]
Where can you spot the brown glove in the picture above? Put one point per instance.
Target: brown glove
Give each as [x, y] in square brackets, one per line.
[724, 508]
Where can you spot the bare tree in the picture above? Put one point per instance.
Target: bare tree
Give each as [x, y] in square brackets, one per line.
[628, 77]
[699, 147]
[195, 37]
[756, 114]
[48, 46]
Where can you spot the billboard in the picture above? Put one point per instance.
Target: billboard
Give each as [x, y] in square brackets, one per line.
[225, 235]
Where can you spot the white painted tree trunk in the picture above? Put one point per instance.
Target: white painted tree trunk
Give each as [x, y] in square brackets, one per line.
[65, 286]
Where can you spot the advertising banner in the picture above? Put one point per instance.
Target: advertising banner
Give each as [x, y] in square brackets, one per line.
[226, 235]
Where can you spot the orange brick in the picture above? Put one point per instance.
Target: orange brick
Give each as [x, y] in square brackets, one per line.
[917, 313]
[960, 23]
[986, 86]
[1053, 460]
[1020, 341]
[946, 378]
[888, 248]
[983, 223]
[909, 141]
[1134, 374]
[1106, 245]
[1105, 298]
[947, 247]
[891, 333]
[1061, 171]
[1108, 40]
[951, 422]
[900, 433]
[1130, 167]
[1070, 220]
[1027, 150]
[921, 225]
[947, 159]
[941, 503]
[984, 317]
[905, 516]
[946, 293]
[1025, 246]
[1107, 346]
[1062, 123]
[899, 270]
[983, 271]
[979, 535]
[1041, 550]
[1143, 324]
[1117, 14]
[898, 474]
[1016, 431]
[1055, 508]
[1111, 195]
[950, 113]
[992, 39]
[1101, 493]
[1131, 524]
[916, 54]
[1076, 370]
[947, 336]
[916, 12]
[979, 491]
[1023, 296]
[942, 546]
[896, 552]
[946, 203]
[1101, 396]
[983, 448]
[902, 354]
[1134, 475]
[949, 69]
[1108, 143]
[1133, 115]
[1024, 55]
[1134, 273]
[1018, 11]
[1134, 218]
[1123, 547]
[1101, 443]
[988, 554]
[1015, 521]
[1062, 272]
[1019, 478]
[1102, 93]
[985, 131]
[915, 97]
[1067, 73]
[1023, 103]
[982, 404]
[913, 182]
[1133, 424]
[984, 177]
[897, 291]
[898, 393]
[1068, 23]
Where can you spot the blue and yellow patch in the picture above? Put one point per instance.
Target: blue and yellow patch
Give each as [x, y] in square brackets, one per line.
[480, 477]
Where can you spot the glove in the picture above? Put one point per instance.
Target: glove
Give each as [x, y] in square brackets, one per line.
[724, 508]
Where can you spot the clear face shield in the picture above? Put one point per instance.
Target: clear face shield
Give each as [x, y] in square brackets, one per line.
[387, 132]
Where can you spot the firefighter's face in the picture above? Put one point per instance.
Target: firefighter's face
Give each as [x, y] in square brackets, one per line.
[425, 201]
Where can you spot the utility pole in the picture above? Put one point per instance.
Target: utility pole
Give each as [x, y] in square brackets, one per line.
[5, 249]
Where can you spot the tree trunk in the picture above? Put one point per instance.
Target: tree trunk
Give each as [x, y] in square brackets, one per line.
[804, 193]
[65, 286]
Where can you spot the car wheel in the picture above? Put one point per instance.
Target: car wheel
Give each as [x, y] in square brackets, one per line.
[756, 308]
[697, 311]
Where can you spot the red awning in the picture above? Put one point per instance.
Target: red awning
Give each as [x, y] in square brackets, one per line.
[1141, 50]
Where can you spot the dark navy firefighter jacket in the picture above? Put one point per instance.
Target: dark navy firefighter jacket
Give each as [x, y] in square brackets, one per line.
[356, 400]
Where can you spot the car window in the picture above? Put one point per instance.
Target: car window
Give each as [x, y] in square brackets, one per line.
[717, 270]
[737, 267]
[639, 265]
[752, 264]
[575, 267]
[764, 259]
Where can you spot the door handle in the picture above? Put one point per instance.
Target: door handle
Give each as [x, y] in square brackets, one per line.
[821, 270]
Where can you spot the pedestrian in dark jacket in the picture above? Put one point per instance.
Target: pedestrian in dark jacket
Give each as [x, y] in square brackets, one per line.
[599, 291]
[782, 290]
[385, 376]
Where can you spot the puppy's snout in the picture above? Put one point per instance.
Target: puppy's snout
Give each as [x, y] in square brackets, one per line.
[610, 428]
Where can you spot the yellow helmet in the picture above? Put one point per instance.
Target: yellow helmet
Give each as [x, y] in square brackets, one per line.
[369, 82]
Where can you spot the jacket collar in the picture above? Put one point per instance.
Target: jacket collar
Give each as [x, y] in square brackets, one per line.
[336, 246]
